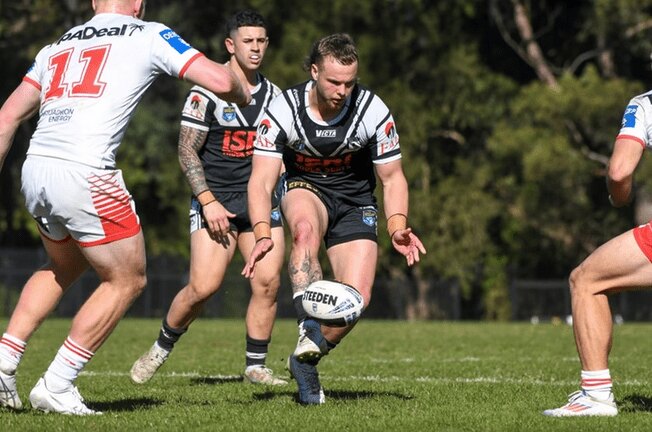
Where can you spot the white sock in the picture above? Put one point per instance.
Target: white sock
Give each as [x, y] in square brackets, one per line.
[11, 351]
[597, 384]
[64, 369]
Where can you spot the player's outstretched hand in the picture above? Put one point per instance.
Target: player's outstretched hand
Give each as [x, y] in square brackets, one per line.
[260, 249]
[408, 245]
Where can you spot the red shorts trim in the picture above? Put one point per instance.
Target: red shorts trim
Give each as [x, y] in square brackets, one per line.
[643, 236]
[109, 239]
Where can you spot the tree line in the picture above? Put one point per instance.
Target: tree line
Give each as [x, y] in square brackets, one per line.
[506, 109]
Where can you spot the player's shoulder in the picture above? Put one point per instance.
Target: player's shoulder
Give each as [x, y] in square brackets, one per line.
[643, 99]
[273, 88]
[370, 103]
[197, 90]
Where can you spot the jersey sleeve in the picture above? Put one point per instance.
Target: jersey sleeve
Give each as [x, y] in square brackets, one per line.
[35, 72]
[637, 121]
[385, 146]
[172, 55]
[198, 110]
[271, 134]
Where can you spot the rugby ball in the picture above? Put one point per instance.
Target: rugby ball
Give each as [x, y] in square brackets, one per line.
[332, 303]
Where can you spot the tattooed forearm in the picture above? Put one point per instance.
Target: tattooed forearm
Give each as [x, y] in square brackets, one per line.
[190, 142]
[303, 271]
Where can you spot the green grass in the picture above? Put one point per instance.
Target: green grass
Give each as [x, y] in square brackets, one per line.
[385, 376]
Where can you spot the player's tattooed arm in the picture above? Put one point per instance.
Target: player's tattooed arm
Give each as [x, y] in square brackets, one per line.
[191, 140]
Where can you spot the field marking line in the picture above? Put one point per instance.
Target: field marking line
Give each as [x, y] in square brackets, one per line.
[376, 378]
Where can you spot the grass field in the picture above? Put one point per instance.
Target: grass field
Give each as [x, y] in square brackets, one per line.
[386, 376]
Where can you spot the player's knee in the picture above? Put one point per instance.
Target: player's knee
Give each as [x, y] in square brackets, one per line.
[266, 287]
[578, 281]
[201, 291]
[139, 284]
[304, 234]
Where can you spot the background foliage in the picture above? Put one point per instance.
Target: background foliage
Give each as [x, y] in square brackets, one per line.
[507, 111]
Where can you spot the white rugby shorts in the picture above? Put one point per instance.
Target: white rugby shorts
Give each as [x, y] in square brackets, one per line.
[67, 199]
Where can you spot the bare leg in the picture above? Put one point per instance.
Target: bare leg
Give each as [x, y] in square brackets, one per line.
[46, 286]
[261, 311]
[354, 263]
[120, 266]
[615, 266]
[208, 263]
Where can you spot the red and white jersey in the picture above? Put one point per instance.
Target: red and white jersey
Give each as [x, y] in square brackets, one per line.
[637, 120]
[91, 80]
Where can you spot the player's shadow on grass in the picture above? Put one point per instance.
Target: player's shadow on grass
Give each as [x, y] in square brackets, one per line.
[216, 380]
[336, 395]
[124, 405]
[635, 403]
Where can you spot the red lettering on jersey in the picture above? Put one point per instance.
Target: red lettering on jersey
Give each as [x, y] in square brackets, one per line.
[323, 165]
[89, 85]
[238, 143]
[58, 62]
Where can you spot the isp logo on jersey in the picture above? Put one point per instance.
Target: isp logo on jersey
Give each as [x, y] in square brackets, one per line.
[175, 41]
[629, 118]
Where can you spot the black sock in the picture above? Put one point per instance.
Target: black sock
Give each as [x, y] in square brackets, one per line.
[298, 308]
[256, 351]
[331, 345]
[168, 336]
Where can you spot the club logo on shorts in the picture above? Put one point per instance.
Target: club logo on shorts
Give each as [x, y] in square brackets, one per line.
[369, 217]
[228, 113]
[276, 214]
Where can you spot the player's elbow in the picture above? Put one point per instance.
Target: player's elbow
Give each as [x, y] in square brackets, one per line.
[617, 173]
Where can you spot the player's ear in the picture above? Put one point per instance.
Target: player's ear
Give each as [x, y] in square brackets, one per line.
[314, 71]
[139, 9]
[230, 45]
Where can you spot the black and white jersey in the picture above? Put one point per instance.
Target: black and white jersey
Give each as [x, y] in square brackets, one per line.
[226, 154]
[337, 155]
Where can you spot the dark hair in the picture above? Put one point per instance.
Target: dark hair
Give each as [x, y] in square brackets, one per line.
[245, 18]
[339, 46]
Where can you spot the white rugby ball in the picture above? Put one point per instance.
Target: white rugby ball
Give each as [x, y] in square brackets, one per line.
[333, 303]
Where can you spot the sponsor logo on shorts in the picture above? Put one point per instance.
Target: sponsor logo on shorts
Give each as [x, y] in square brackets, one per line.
[175, 41]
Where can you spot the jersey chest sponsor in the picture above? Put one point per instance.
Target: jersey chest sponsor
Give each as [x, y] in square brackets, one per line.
[238, 143]
[323, 165]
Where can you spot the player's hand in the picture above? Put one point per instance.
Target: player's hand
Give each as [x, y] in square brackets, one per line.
[217, 221]
[408, 244]
[260, 249]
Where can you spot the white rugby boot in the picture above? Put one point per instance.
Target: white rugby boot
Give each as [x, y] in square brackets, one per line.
[581, 404]
[311, 344]
[8, 391]
[66, 402]
[259, 374]
[146, 366]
